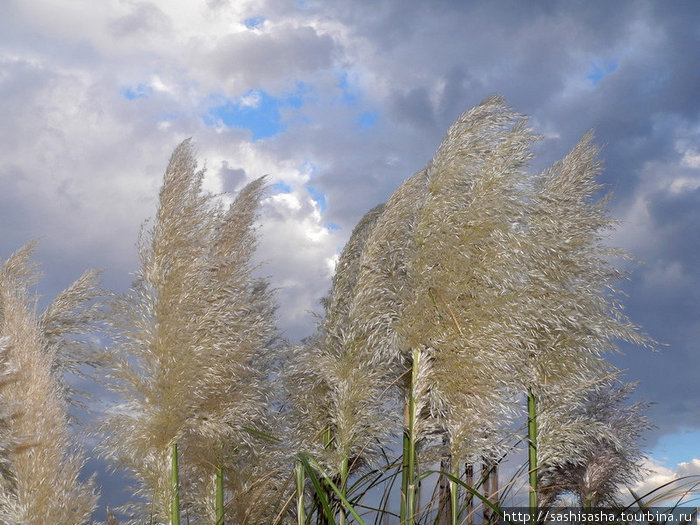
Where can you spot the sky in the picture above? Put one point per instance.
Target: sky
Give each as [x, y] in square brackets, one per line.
[338, 102]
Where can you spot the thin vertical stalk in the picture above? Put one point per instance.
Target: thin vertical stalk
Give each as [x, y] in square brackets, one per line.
[343, 488]
[404, 464]
[493, 474]
[219, 496]
[411, 468]
[444, 493]
[490, 487]
[174, 487]
[486, 489]
[469, 480]
[454, 495]
[532, 448]
[299, 479]
[322, 518]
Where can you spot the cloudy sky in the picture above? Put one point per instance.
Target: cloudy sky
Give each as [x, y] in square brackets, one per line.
[338, 102]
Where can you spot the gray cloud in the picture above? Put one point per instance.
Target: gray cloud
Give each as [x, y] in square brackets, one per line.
[143, 18]
[80, 164]
[232, 178]
[267, 60]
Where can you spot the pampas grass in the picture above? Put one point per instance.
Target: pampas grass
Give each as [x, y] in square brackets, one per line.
[186, 363]
[469, 318]
[39, 464]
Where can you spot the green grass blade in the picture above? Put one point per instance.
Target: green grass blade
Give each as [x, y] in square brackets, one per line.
[261, 434]
[174, 487]
[307, 461]
[299, 479]
[323, 499]
[468, 488]
[219, 496]
[532, 448]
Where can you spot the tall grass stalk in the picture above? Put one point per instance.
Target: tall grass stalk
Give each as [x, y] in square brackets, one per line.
[219, 496]
[325, 486]
[532, 449]
[454, 495]
[299, 480]
[491, 485]
[343, 488]
[462, 314]
[405, 438]
[346, 413]
[410, 451]
[174, 486]
[575, 315]
[469, 498]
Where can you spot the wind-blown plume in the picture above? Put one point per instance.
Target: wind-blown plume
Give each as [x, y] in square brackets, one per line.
[68, 324]
[188, 339]
[40, 468]
[465, 275]
[382, 289]
[341, 391]
[600, 465]
[574, 314]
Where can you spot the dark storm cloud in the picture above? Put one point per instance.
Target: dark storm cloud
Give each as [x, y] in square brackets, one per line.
[536, 54]
[533, 53]
[16, 212]
[677, 216]
[232, 178]
[413, 107]
[664, 297]
[266, 60]
[424, 63]
[81, 163]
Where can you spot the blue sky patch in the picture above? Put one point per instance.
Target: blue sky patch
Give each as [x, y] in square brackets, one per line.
[281, 187]
[331, 226]
[257, 111]
[367, 119]
[254, 22]
[309, 168]
[318, 197]
[348, 96]
[673, 449]
[600, 70]
[137, 91]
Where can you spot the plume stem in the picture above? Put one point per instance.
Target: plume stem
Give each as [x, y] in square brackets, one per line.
[219, 495]
[299, 479]
[532, 449]
[174, 487]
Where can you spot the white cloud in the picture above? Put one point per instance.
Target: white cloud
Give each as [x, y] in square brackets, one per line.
[691, 159]
[158, 84]
[251, 100]
[655, 180]
[675, 482]
[81, 165]
[297, 250]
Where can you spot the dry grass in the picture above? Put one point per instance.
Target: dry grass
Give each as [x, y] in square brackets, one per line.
[190, 337]
[40, 465]
[476, 283]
